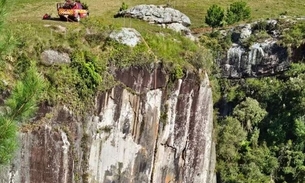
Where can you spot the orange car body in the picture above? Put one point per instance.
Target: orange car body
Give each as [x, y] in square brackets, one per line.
[73, 13]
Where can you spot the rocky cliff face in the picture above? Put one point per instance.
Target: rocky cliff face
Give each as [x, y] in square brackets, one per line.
[257, 50]
[147, 129]
[260, 59]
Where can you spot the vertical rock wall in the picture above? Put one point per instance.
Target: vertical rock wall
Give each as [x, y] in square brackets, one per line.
[147, 129]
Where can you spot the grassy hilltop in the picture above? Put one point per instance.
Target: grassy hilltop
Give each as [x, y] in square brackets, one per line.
[33, 10]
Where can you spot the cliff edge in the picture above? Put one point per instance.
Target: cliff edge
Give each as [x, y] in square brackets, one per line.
[148, 128]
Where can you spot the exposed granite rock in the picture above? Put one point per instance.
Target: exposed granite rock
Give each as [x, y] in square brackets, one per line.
[52, 57]
[127, 36]
[161, 15]
[166, 137]
[147, 129]
[246, 31]
[264, 57]
[156, 14]
[48, 152]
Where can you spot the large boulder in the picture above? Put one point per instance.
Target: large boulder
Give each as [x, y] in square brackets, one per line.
[161, 15]
[127, 36]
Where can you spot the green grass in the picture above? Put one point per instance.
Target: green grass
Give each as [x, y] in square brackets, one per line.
[195, 9]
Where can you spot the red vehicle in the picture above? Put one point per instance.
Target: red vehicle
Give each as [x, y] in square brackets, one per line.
[73, 11]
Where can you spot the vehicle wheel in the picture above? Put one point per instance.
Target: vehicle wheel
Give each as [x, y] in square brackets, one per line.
[63, 18]
[77, 18]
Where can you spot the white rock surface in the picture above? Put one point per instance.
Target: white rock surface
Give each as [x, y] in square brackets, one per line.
[52, 57]
[162, 15]
[246, 31]
[127, 36]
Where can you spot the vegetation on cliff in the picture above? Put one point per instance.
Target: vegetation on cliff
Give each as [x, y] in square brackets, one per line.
[22, 101]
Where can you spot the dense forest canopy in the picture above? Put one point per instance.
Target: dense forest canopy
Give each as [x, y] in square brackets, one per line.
[262, 138]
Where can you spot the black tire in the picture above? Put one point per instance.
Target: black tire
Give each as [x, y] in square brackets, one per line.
[63, 18]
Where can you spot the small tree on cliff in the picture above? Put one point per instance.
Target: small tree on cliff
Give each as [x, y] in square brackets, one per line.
[21, 104]
[19, 107]
[215, 16]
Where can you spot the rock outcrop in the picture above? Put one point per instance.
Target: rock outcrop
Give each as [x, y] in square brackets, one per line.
[127, 36]
[261, 55]
[146, 129]
[52, 57]
[164, 16]
[260, 59]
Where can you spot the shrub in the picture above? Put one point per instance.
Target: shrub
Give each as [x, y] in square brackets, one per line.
[237, 11]
[177, 72]
[88, 69]
[124, 6]
[215, 16]
[260, 26]
[294, 36]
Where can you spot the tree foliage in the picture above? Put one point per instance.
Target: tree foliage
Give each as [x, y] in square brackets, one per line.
[237, 11]
[124, 6]
[249, 113]
[20, 106]
[22, 102]
[269, 112]
[215, 15]
[240, 157]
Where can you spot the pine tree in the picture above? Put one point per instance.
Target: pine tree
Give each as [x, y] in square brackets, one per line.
[21, 104]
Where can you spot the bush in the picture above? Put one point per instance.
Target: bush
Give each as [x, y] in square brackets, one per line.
[215, 16]
[261, 26]
[295, 35]
[237, 11]
[124, 6]
[88, 69]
